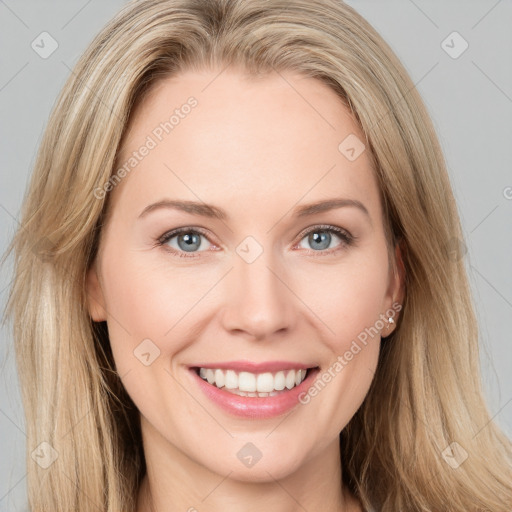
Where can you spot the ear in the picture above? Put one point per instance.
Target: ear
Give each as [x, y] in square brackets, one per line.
[95, 299]
[398, 280]
[396, 289]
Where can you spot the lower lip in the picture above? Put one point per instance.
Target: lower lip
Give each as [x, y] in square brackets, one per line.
[254, 407]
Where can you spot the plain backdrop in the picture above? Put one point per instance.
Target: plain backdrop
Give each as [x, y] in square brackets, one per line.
[468, 92]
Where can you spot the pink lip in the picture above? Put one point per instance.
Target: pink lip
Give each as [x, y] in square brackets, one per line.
[249, 366]
[254, 407]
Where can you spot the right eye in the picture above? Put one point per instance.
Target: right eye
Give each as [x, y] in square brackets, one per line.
[182, 241]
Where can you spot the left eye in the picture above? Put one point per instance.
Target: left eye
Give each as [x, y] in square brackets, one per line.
[320, 237]
[184, 242]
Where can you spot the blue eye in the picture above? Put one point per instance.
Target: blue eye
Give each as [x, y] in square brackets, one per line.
[187, 242]
[320, 238]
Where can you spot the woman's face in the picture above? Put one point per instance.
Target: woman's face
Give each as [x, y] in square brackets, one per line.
[259, 282]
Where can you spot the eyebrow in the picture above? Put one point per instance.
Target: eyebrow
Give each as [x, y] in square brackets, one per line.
[208, 210]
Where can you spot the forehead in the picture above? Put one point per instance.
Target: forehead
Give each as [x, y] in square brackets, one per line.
[280, 136]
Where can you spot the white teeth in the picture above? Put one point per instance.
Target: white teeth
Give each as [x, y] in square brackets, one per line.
[251, 384]
[231, 380]
[279, 381]
[290, 379]
[265, 383]
[219, 378]
[210, 376]
[246, 382]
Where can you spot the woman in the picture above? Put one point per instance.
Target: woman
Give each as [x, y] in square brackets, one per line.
[239, 280]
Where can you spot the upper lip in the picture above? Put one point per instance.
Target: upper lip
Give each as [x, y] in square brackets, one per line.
[249, 366]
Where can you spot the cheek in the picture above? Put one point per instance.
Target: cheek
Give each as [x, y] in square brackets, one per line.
[145, 304]
[347, 298]
[347, 301]
[148, 300]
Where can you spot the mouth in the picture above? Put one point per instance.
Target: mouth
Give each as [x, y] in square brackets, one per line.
[259, 385]
[256, 393]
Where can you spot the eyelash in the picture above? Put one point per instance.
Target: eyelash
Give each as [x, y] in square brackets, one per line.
[346, 239]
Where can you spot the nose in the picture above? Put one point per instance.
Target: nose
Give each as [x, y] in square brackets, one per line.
[258, 301]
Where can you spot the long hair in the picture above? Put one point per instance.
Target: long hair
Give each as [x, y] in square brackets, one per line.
[426, 397]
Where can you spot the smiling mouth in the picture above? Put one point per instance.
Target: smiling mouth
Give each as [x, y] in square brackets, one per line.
[244, 383]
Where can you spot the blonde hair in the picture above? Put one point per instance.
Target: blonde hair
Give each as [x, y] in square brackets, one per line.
[426, 393]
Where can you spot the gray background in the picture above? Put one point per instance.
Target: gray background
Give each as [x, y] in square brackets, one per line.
[469, 98]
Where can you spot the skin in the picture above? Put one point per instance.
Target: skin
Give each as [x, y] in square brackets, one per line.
[257, 149]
